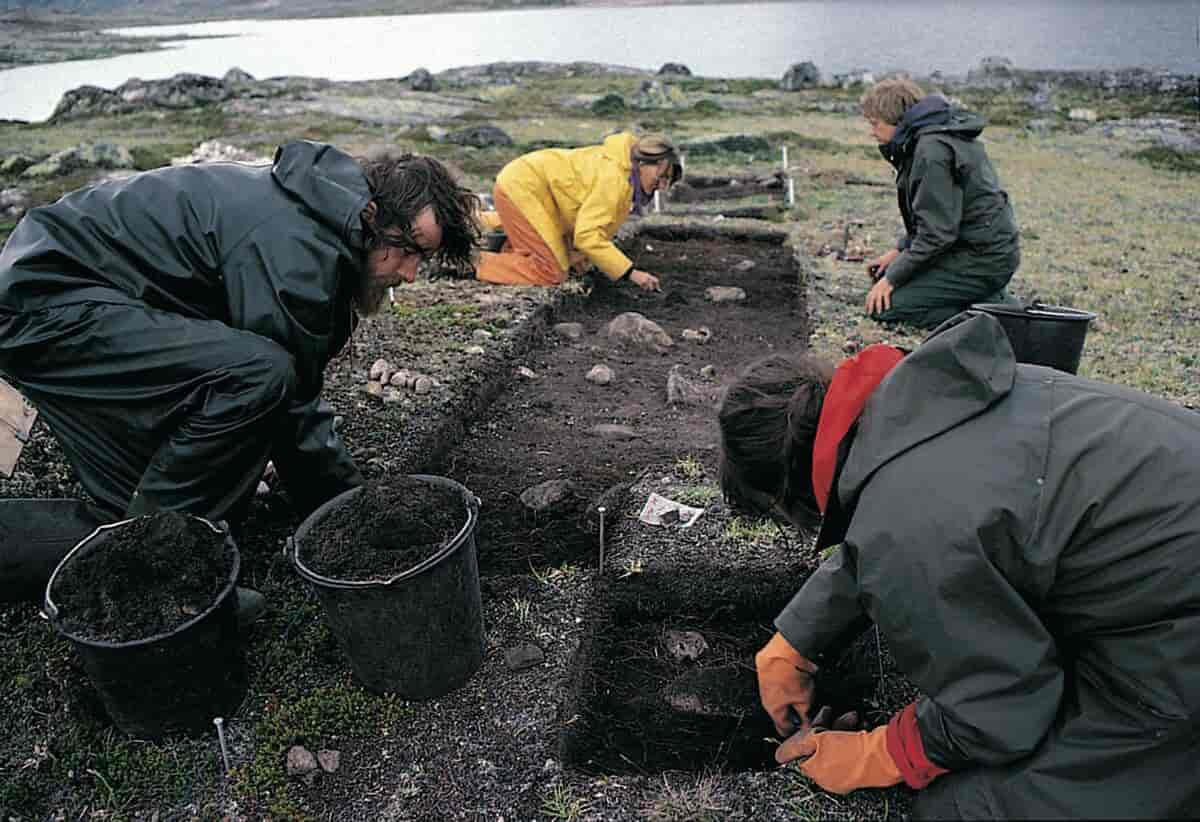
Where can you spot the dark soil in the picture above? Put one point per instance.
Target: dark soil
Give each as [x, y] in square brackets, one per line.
[383, 529]
[143, 579]
[544, 428]
[642, 710]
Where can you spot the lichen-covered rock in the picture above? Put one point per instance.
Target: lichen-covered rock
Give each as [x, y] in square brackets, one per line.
[674, 70]
[547, 495]
[800, 75]
[634, 330]
[88, 155]
[301, 764]
[422, 80]
[482, 136]
[600, 375]
[725, 293]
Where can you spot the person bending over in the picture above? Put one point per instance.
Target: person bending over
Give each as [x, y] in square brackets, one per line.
[561, 207]
[1028, 543]
[960, 245]
[173, 328]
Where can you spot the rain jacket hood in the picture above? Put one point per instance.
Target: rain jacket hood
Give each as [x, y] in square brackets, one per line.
[329, 182]
[954, 375]
[931, 114]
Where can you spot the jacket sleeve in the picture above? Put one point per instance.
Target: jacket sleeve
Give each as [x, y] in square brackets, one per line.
[601, 213]
[937, 207]
[311, 458]
[958, 628]
[287, 273]
[825, 612]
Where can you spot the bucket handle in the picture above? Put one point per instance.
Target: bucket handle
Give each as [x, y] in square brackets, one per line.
[291, 551]
[50, 610]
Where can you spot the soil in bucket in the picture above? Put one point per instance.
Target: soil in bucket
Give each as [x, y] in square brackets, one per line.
[153, 575]
[385, 529]
[150, 607]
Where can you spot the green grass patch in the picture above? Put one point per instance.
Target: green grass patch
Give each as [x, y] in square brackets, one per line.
[321, 719]
[1165, 158]
[746, 531]
[441, 315]
[696, 496]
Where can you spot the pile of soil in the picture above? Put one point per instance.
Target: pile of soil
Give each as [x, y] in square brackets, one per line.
[384, 529]
[144, 578]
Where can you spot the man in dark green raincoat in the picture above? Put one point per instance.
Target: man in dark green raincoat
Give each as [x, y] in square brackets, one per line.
[960, 244]
[173, 328]
[1028, 542]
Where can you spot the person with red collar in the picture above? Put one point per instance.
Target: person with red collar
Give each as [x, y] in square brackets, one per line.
[1028, 542]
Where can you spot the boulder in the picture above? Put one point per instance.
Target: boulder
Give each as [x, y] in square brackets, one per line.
[1082, 115]
[481, 136]
[422, 80]
[14, 164]
[215, 151]
[674, 70]
[654, 94]
[634, 330]
[547, 495]
[182, 91]
[237, 78]
[88, 155]
[600, 375]
[14, 202]
[800, 75]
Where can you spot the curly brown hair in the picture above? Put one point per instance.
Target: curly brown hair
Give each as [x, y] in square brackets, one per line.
[768, 420]
[404, 185]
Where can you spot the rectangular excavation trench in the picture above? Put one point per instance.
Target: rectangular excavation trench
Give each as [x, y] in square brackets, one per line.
[647, 695]
[545, 427]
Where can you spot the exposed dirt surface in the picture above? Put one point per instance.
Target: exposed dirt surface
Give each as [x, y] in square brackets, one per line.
[143, 578]
[546, 427]
[384, 529]
[644, 706]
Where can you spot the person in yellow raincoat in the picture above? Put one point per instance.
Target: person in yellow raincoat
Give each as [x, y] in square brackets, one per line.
[560, 207]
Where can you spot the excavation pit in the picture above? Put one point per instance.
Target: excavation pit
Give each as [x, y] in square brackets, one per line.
[553, 425]
[664, 679]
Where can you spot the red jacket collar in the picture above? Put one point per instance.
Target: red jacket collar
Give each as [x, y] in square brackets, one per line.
[853, 382]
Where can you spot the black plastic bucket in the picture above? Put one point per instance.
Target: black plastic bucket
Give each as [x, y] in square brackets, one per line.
[1047, 335]
[418, 634]
[172, 683]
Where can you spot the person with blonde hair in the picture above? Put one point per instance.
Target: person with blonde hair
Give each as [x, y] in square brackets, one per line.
[561, 207]
[961, 241]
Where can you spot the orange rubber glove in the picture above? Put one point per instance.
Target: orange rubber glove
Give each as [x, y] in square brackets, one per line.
[784, 682]
[843, 761]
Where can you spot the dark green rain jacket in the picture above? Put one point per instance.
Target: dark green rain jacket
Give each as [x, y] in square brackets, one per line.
[1029, 543]
[957, 218]
[276, 250]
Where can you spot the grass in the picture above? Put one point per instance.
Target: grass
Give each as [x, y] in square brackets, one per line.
[561, 803]
[746, 531]
[699, 801]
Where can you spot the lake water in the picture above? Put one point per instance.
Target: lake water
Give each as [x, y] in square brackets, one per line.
[737, 40]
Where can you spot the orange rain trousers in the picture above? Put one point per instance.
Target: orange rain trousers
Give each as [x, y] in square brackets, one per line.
[525, 258]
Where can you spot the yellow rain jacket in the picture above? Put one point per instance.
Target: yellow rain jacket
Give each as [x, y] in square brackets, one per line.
[576, 197]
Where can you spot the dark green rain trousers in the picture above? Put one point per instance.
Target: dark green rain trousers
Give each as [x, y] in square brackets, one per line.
[1028, 541]
[173, 328]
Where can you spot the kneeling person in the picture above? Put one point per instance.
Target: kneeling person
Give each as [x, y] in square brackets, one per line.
[961, 242]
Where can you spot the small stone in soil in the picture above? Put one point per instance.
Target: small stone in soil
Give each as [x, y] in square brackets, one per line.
[526, 655]
[685, 645]
[329, 760]
[301, 764]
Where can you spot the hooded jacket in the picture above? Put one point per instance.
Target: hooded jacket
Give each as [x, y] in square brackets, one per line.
[956, 215]
[581, 196]
[1028, 541]
[275, 250]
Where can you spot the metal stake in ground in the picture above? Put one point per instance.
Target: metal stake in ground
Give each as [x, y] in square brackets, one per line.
[600, 511]
[220, 723]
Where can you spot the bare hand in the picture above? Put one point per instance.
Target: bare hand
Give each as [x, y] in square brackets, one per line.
[879, 298]
[644, 280]
[877, 266]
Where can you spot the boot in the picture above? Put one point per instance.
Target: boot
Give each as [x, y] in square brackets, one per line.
[251, 605]
[35, 535]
